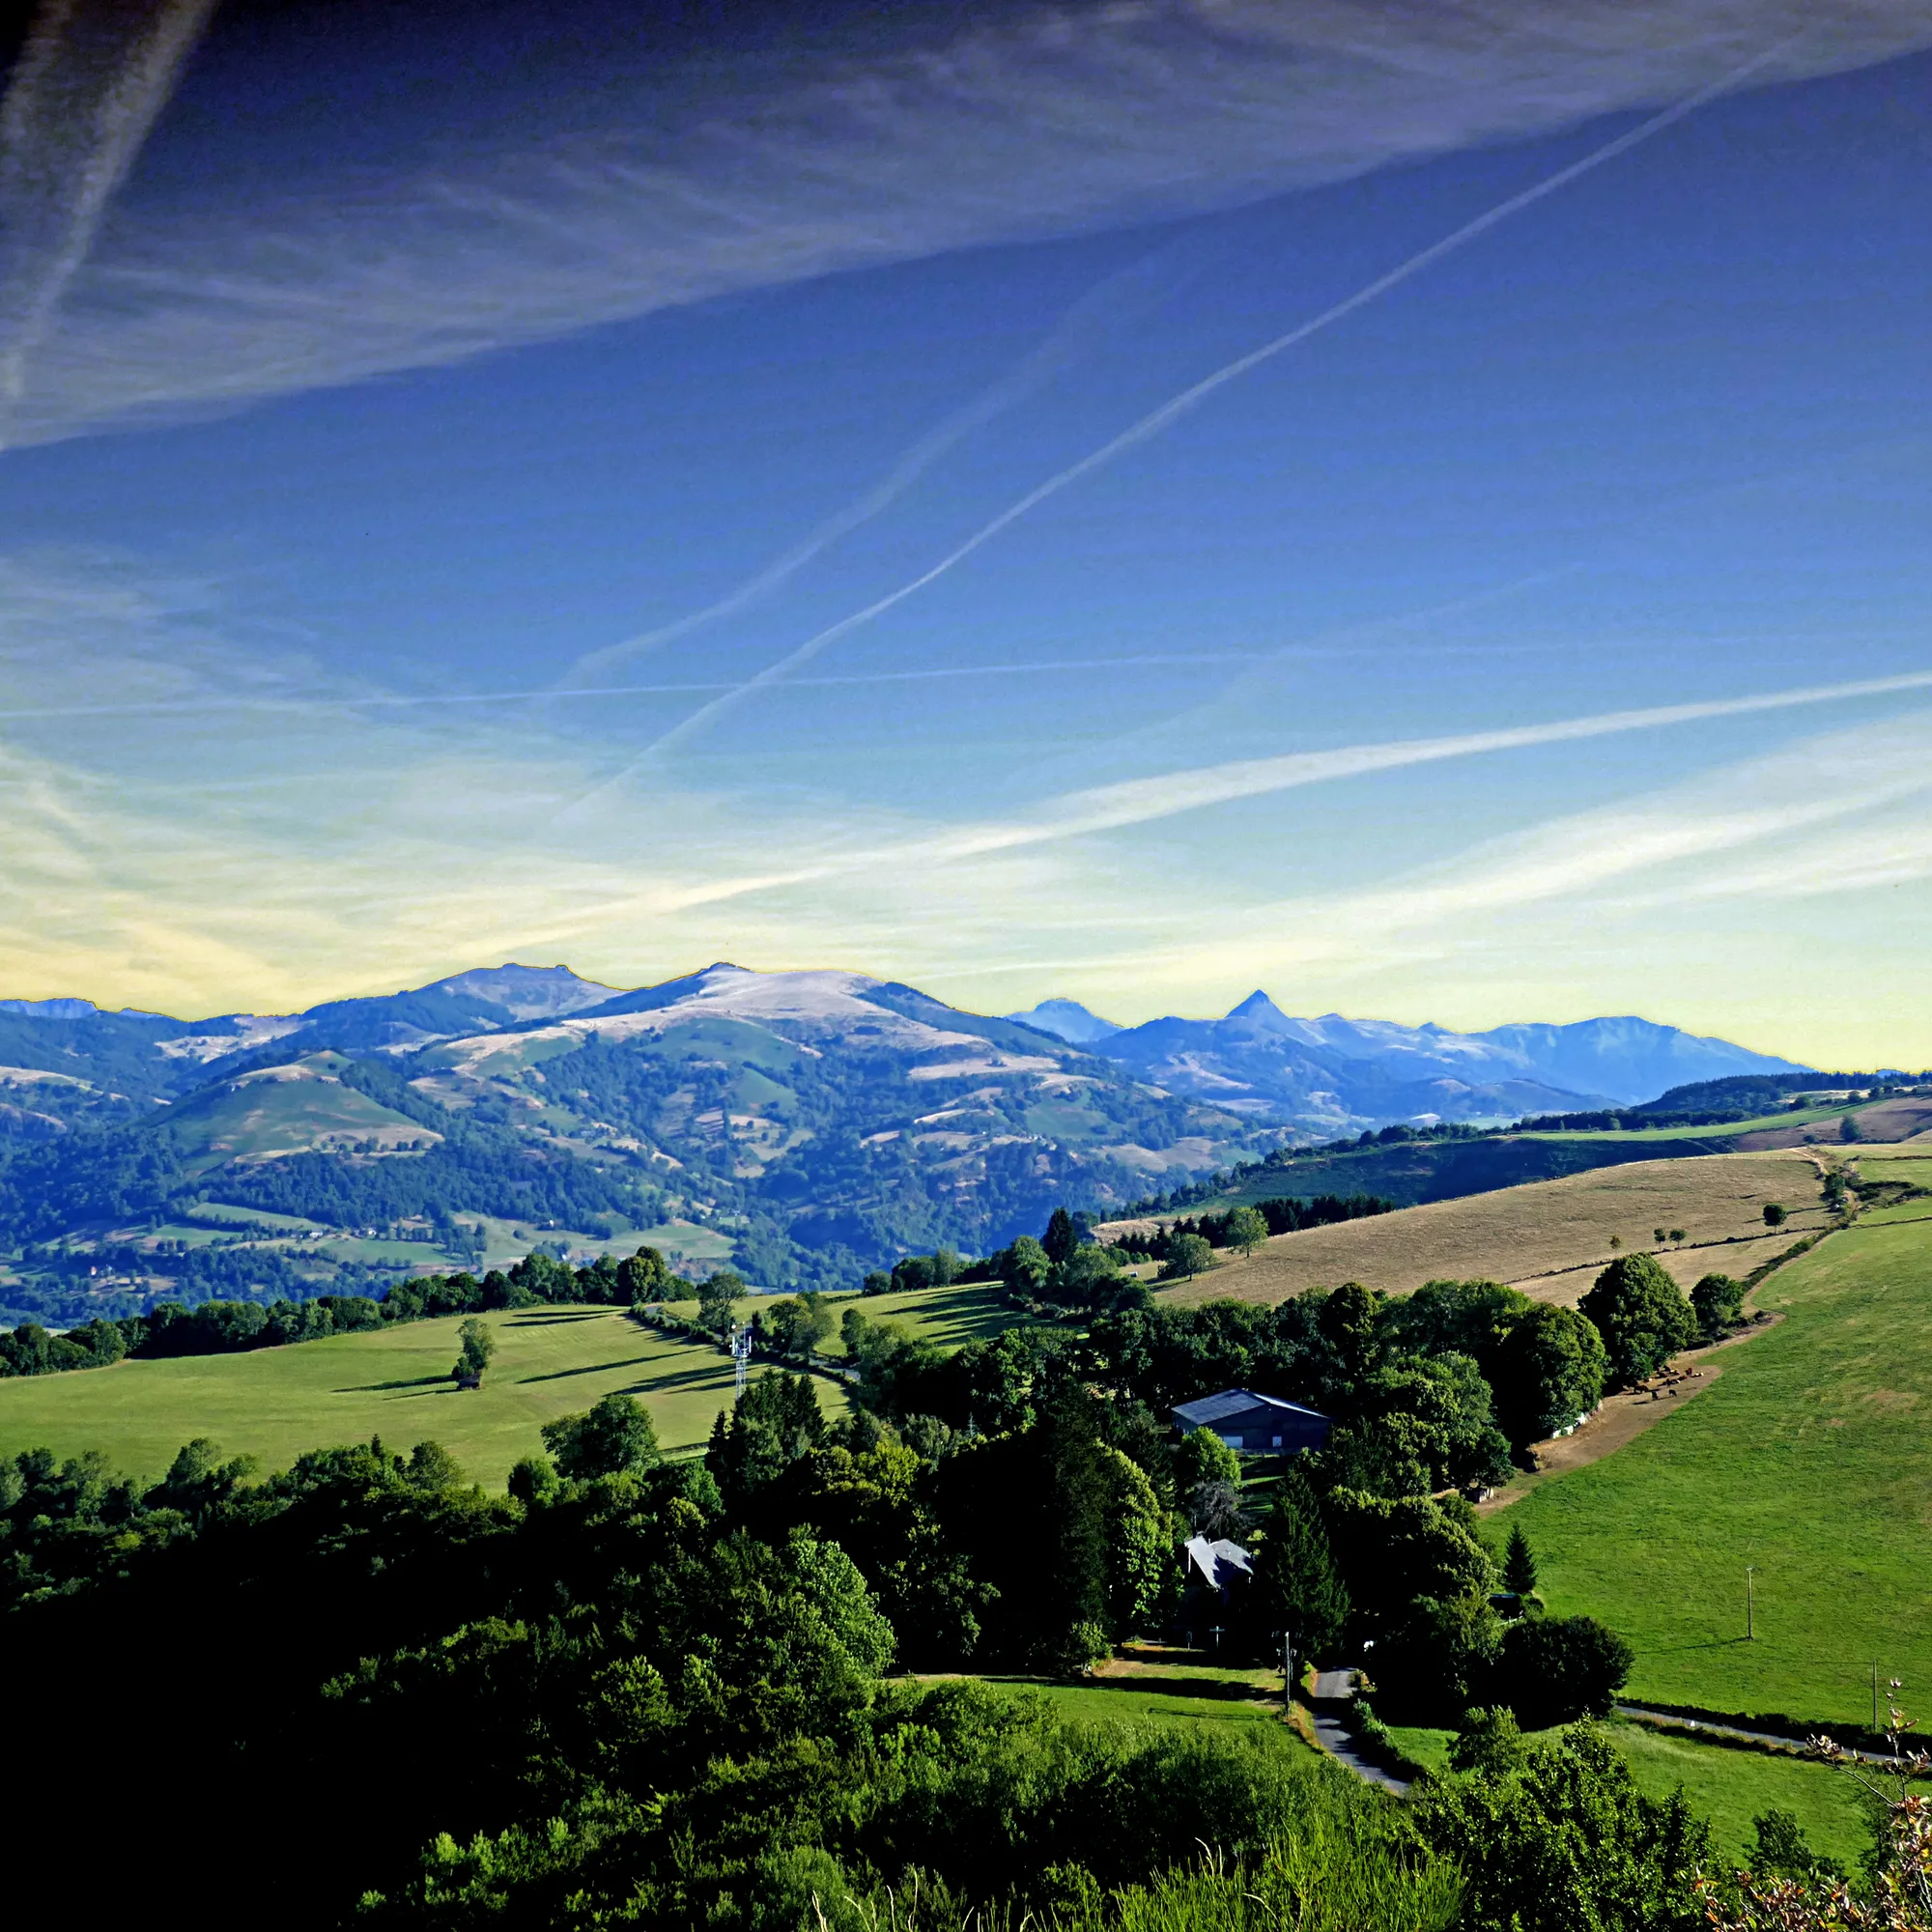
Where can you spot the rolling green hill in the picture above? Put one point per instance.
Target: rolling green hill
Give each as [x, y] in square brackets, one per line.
[394, 1382]
[1811, 1460]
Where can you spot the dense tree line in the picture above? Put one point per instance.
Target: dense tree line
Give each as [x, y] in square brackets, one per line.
[633, 1693]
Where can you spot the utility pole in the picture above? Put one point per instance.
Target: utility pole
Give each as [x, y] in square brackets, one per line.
[1749, 1631]
[1288, 1669]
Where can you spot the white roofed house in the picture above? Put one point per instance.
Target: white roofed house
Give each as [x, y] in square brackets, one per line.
[1257, 1425]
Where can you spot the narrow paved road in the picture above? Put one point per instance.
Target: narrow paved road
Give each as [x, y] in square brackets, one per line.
[1328, 1706]
[1671, 1721]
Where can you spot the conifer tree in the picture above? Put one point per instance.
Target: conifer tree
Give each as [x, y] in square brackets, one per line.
[1518, 1563]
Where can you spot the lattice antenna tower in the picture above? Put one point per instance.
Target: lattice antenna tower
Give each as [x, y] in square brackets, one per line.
[741, 1357]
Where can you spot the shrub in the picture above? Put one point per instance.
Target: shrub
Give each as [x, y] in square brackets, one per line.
[1553, 1670]
[1641, 1314]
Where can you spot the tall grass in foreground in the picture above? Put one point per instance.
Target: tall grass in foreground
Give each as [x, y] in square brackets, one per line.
[1325, 1880]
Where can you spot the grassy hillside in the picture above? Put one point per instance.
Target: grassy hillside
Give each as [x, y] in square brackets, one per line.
[1810, 1458]
[302, 1107]
[395, 1383]
[1549, 1237]
[276, 1403]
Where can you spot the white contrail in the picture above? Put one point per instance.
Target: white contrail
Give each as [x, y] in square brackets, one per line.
[387, 700]
[88, 87]
[1039, 367]
[1140, 801]
[1176, 407]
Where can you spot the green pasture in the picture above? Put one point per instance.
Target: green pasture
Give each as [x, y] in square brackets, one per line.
[392, 1382]
[507, 1241]
[224, 1215]
[1810, 1460]
[948, 1317]
[1726, 1786]
[1182, 1696]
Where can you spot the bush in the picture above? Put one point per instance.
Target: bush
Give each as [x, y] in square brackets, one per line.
[1553, 1670]
[1716, 1301]
[1642, 1316]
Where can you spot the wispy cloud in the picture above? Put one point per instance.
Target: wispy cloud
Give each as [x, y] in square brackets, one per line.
[1114, 808]
[717, 174]
[90, 81]
[1838, 813]
[1157, 421]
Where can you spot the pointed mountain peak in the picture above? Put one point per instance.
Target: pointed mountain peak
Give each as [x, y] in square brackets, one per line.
[1255, 1006]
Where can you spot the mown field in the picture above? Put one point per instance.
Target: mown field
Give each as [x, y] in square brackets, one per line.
[1162, 1690]
[1810, 1460]
[948, 1317]
[1549, 1237]
[276, 1403]
[394, 1382]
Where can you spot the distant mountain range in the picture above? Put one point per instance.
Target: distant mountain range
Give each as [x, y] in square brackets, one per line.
[1334, 1074]
[808, 1125]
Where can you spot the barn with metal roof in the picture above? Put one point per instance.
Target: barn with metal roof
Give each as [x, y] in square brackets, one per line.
[1258, 1425]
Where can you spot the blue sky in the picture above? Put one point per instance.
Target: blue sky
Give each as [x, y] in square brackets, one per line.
[410, 474]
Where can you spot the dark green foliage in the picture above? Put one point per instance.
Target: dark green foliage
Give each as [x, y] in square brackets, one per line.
[1773, 1215]
[644, 1277]
[1547, 1372]
[1559, 1839]
[1420, 1423]
[772, 1428]
[1642, 1316]
[1062, 1236]
[614, 1438]
[479, 1347]
[1780, 1850]
[1518, 1563]
[1437, 1658]
[1391, 1552]
[1297, 1587]
[1202, 1456]
[1716, 1301]
[1554, 1669]
[715, 1295]
[1187, 1255]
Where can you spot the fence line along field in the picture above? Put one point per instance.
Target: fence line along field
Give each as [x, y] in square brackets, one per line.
[394, 1382]
[1549, 1237]
[1811, 1461]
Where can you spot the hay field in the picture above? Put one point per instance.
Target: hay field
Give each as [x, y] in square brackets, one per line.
[1547, 1238]
[276, 1403]
[1896, 1119]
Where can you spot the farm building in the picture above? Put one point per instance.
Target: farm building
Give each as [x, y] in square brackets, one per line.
[1262, 1425]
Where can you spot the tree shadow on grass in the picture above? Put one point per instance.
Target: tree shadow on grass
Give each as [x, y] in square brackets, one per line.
[551, 1318]
[377, 1388]
[587, 1369]
[1218, 1689]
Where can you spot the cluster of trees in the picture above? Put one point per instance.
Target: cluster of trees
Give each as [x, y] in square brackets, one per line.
[231, 1328]
[1245, 1228]
[169, 1328]
[633, 1693]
